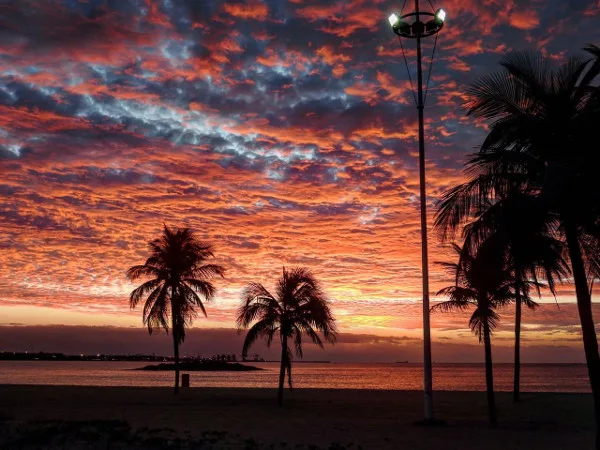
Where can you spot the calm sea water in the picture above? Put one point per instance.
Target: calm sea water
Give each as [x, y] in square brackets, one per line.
[452, 377]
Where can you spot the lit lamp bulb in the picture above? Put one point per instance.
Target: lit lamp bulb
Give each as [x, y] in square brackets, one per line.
[393, 20]
[440, 15]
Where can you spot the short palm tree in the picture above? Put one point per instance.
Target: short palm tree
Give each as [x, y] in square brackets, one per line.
[483, 282]
[521, 228]
[179, 280]
[298, 307]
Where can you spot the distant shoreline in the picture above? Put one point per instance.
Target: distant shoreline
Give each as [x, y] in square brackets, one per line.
[201, 366]
[55, 356]
[308, 362]
[134, 358]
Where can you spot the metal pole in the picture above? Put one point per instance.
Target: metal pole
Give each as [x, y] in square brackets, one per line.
[427, 373]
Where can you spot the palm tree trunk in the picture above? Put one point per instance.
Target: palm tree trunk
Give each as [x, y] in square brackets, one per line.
[517, 373]
[489, 376]
[584, 305]
[284, 356]
[176, 354]
[175, 339]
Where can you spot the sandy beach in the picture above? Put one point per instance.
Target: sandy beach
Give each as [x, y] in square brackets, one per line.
[311, 418]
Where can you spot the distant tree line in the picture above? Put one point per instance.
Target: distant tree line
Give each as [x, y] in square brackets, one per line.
[53, 356]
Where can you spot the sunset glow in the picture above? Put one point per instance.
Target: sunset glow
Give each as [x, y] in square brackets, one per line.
[284, 133]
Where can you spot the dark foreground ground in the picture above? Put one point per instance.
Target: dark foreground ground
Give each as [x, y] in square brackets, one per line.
[211, 418]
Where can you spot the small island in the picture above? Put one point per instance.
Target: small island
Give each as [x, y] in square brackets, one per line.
[202, 366]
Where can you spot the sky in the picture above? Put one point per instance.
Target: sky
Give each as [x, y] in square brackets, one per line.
[283, 132]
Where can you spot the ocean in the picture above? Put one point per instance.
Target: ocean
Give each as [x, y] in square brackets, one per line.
[449, 377]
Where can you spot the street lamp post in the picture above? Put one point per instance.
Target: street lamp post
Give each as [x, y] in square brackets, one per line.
[413, 26]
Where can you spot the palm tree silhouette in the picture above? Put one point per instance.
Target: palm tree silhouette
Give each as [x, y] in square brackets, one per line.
[544, 115]
[523, 231]
[178, 282]
[299, 307]
[484, 282]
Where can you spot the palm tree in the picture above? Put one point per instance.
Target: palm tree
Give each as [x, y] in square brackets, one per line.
[522, 229]
[179, 279]
[482, 281]
[299, 307]
[544, 118]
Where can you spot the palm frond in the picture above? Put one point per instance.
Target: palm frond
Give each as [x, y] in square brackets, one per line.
[494, 95]
[593, 69]
[144, 270]
[160, 294]
[531, 72]
[314, 336]
[138, 293]
[451, 305]
[262, 328]
[208, 271]
[297, 337]
[203, 287]
[158, 313]
[192, 299]
[256, 301]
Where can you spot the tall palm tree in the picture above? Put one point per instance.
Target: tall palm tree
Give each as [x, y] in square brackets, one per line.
[543, 119]
[298, 307]
[522, 229]
[179, 280]
[484, 282]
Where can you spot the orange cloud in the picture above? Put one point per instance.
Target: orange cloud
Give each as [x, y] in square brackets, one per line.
[282, 143]
[524, 20]
[256, 10]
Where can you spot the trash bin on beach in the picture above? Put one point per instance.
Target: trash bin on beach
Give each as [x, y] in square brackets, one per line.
[185, 380]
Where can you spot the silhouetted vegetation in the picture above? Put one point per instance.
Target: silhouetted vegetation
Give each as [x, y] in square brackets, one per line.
[204, 365]
[179, 278]
[482, 282]
[543, 119]
[520, 229]
[119, 435]
[298, 307]
[44, 356]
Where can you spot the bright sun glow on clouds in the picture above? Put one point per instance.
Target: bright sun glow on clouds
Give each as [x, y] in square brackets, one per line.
[281, 135]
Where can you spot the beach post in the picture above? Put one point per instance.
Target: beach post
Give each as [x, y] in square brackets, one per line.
[185, 380]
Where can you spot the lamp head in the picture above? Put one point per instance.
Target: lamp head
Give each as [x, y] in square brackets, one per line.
[414, 25]
[440, 15]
